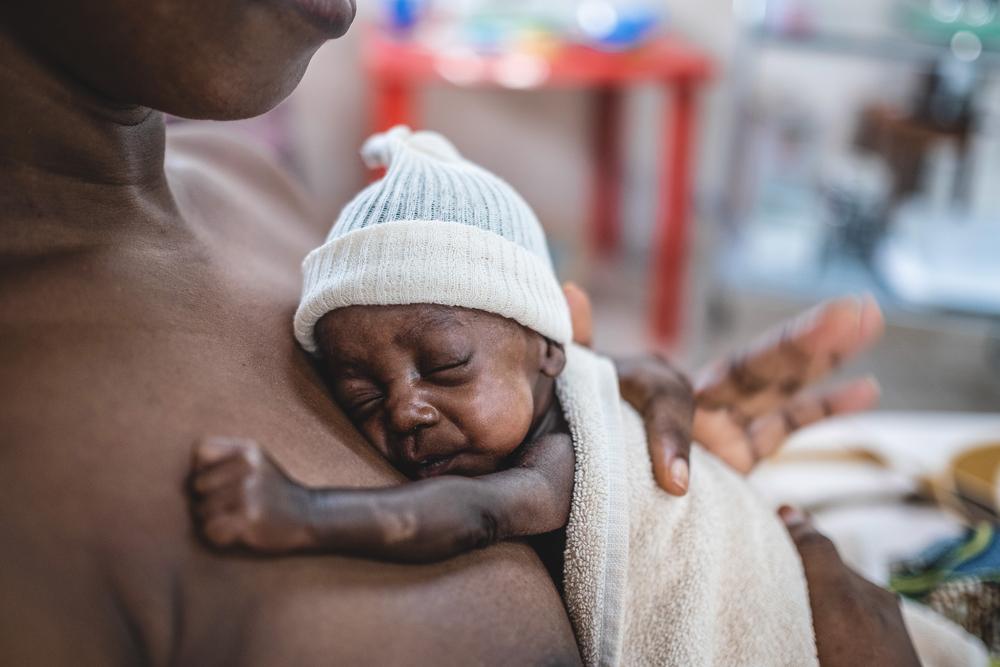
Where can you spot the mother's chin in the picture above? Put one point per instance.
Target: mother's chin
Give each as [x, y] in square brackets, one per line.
[222, 60]
[333, 17]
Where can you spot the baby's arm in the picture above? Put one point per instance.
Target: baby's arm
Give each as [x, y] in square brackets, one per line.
[244, 498]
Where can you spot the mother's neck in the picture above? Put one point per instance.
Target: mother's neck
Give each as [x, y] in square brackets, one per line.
[70, 158]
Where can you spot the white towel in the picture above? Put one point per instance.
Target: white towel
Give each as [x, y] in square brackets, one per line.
[708, 579]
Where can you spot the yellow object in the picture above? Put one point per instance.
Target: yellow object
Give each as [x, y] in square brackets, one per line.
[972, 482]
[969, 485]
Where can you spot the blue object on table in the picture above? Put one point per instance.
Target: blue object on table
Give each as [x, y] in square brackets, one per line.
[404, 14]
[631, 29]
[617, 24]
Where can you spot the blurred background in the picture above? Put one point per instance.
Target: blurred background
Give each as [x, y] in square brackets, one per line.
[706, 169]
[835, 147]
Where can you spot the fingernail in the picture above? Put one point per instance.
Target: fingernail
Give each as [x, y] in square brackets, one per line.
[792, 516]
[679, 473]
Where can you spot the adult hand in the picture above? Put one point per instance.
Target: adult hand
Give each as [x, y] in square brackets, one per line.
[855, 621]
[746, 405]
[661, 393]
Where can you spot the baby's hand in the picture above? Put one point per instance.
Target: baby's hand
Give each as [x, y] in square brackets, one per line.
[241, 497]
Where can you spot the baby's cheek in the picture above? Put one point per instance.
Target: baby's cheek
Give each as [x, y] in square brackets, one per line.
[500, 416]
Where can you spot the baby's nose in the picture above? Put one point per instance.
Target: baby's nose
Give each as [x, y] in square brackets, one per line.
[410, 411]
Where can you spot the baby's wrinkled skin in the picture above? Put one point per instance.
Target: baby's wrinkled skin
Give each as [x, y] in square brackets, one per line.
[439, 390]
[442, 393]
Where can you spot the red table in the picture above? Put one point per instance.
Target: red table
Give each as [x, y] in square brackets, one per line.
[397, 69]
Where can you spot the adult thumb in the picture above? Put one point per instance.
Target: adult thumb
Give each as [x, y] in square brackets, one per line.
[580, 313]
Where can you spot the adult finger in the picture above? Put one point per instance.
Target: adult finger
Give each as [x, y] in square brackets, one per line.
[725, 434]
[817, 551]
[844, 326]
[580, 313]
[825, 572]
[769, 432]
[855, 621]
[784, 354]
[784, 360]
[668, 419]
[665, 399]
[796, 520]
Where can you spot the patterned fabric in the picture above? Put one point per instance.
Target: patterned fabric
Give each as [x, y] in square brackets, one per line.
[960, 579]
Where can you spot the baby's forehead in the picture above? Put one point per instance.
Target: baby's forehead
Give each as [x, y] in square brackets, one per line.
[365, 328]
[422, 317]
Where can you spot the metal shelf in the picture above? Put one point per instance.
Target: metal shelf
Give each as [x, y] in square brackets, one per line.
[901, 49]
[841, 274]
[835, 276]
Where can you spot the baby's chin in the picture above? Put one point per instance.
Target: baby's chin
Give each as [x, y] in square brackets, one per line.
[467, 463]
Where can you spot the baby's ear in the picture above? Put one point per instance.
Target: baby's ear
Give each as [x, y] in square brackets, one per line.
[553, 359]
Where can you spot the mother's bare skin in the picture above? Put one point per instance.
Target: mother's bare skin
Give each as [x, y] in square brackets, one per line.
[133, 319]
[144, 304]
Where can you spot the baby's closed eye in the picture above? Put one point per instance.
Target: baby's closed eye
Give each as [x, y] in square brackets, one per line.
[447, 369]
[358, 398]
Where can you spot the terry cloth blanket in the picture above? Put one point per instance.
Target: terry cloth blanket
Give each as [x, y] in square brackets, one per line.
[708, 579]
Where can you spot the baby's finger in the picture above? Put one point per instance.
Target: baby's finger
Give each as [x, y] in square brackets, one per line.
[225, 500]
[212, 450]
[770, 431]
[224, 530]
[229, 471]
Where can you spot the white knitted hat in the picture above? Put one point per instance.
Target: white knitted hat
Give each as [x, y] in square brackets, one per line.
[436, 229]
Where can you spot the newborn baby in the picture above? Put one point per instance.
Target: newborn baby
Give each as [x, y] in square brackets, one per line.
[436, 314]
[461, 399]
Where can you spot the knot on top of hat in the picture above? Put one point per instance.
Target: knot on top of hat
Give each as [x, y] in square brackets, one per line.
[381, 149]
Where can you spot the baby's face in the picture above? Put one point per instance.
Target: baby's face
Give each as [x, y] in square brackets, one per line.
[438, 390]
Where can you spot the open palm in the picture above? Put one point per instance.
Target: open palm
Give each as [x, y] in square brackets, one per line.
[744, 406]
[749, 403]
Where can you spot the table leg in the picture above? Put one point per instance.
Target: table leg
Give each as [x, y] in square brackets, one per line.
[669, 262]
[392, 104]
[605, 225]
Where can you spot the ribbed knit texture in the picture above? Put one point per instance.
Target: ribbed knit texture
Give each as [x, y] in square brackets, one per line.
[436, 229]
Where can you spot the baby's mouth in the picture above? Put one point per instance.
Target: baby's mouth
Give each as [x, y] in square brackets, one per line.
[433, 466]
